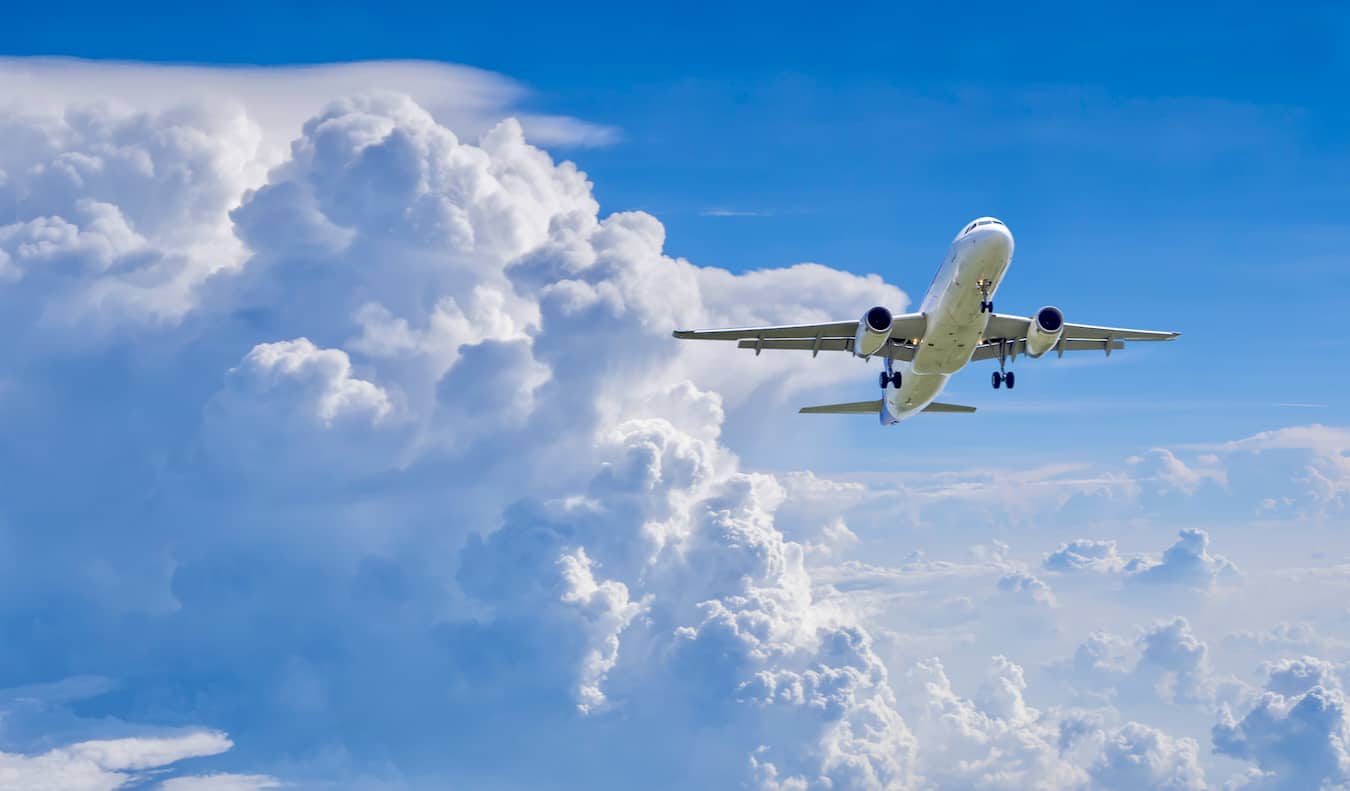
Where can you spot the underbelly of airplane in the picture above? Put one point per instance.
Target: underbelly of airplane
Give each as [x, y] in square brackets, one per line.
[956, 324]
[916, 392]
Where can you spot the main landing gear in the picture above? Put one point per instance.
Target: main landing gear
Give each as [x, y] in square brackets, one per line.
[1001, 377]
[890, 375]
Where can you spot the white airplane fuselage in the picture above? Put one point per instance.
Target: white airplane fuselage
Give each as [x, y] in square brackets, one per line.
[956, 322]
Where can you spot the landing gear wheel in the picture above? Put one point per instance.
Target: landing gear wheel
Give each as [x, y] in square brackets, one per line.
[1009, 379]
[986, 307]
[996, 379]
[885, 377]
[895, 380]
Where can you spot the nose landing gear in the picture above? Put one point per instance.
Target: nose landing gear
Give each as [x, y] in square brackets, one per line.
[986, 304]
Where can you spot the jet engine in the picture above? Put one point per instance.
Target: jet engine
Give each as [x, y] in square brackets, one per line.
[874, 328]
[1045, 331]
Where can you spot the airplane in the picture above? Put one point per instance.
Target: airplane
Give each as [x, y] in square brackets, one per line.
[955, 325]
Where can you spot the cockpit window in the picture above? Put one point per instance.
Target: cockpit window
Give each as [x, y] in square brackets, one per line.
[979, 223]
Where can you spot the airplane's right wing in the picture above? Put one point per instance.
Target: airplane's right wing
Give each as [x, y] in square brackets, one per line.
[836, 329]
[836, 336]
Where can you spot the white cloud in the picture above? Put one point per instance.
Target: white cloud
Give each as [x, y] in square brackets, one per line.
[1172, 474]
[607, 607]
[1083, 554]
[106, 764]
[1138, 757]
[1171, 649]
[1026, 587]
[1324, 457]
[994, 741]
[220, 782]
[1298, 741]
[465, 99]
[1295, 676]
[1187, 562]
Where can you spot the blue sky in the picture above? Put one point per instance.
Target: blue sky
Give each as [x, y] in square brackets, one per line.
[347, 446]
[1161, 166]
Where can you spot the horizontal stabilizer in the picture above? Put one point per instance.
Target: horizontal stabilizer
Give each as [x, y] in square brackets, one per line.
[855, 408]
[938, 406]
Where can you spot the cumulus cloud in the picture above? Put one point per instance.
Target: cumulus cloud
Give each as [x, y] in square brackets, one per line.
[1187, 563]
[1085, 554]
[1166, 663]
[1027, 588]
[338, 340]
[1174, 475]
[1296, 734]
[1140, 757]
[1295, 676]
[995, 740]
[607, 607]
[1171, 649]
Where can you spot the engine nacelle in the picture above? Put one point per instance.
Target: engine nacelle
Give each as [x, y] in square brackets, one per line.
[874, 329]
[1046, 328]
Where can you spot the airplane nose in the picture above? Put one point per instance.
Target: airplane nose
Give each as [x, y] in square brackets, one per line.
[995, 240]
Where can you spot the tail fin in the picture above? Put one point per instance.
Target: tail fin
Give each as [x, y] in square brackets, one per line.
[855, 408]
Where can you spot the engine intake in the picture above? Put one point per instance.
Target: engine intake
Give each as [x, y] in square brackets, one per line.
[1045, 331]
[874, 329]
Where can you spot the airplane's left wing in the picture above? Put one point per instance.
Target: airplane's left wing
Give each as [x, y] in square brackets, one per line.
[1008, 336]
[1012, 328]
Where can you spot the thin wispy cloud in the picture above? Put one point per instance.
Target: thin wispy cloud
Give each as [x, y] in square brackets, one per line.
[718, 212]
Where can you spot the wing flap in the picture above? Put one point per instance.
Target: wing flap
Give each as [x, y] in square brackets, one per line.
[989, 351]
[854, 408]
[894, 350]
[838, 329]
